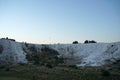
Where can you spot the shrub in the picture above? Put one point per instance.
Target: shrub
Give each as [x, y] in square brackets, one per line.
[12, 39]
[22, 64]
[49, 65]
[61, 60]
[86, 41]
[43, 57]
[26, 44]
[35, 76]
[9, 39]
[7, 69]
[75, 42]
[48, 51]
[36, 61]
[90, 41]
[2, 67]
[73, 66]
[105, 72]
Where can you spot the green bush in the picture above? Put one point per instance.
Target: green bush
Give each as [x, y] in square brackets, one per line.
[22, 64]
[43, 57]
[75, 42]
[2, 67]
[105, 72]
[73, 66]
[7, 69]
[49, 65]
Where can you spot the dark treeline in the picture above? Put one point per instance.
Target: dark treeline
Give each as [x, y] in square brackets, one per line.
[8, 39]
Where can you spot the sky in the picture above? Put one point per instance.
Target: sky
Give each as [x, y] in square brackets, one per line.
[60, 21]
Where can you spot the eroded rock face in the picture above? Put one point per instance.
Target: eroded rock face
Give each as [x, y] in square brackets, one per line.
[11, 52]
[79, 54]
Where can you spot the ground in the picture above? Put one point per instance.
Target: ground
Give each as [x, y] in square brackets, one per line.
[33, 72]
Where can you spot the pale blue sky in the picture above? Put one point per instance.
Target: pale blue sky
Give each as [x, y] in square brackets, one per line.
[60, 21]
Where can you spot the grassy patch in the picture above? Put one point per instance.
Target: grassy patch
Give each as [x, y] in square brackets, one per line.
[34, 72]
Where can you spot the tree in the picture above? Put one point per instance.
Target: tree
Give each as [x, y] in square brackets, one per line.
[6, 37]
[105, 72]
[92, 41]
[75, 42]
[47, 56]
[86, 41]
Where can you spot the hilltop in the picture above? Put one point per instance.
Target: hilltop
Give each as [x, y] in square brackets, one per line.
[92, 54]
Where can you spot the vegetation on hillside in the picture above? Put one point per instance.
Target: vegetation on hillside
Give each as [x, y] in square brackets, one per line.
[87, 41]
[44, 56]
[35, 72]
